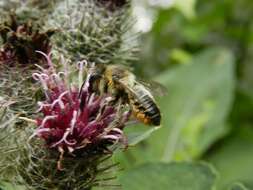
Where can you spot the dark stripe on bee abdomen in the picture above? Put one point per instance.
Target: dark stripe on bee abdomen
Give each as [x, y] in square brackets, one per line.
[148, 107]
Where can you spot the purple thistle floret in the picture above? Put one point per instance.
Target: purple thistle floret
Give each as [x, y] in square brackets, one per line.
[73, 117]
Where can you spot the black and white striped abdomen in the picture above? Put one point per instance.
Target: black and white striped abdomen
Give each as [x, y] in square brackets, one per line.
[146, 107]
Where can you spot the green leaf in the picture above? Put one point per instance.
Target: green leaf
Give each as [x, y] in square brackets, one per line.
[200, 98]
[180, 56]
[137, 136]
[187, 7]
[233, 158]
[238, 186]
[174, 176]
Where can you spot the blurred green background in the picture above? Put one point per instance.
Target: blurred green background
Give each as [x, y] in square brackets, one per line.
[202, 52]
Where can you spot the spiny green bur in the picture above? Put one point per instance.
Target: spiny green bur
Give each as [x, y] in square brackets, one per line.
[94, 32]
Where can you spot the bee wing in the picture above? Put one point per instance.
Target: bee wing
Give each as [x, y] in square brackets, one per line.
[154, 87]
[131, 88]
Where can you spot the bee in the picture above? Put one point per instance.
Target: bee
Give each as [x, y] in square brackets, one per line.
[119, 81]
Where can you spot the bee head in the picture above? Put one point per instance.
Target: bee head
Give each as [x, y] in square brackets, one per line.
[95, 77]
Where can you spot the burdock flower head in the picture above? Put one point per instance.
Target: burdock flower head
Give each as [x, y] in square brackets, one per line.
[21, 40]
[113, 4]
[75, 120]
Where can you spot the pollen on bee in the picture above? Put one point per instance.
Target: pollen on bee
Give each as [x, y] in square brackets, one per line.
[142, 117]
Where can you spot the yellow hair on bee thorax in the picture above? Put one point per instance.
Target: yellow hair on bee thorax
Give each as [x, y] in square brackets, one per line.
[110, 83]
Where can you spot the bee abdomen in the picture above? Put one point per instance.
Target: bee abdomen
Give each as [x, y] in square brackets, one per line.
[147, 111]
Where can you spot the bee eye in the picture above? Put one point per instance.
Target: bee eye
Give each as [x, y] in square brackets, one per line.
[95, 76]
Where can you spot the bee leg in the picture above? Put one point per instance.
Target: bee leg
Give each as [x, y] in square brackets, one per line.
[114, 100]
[119, 97]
